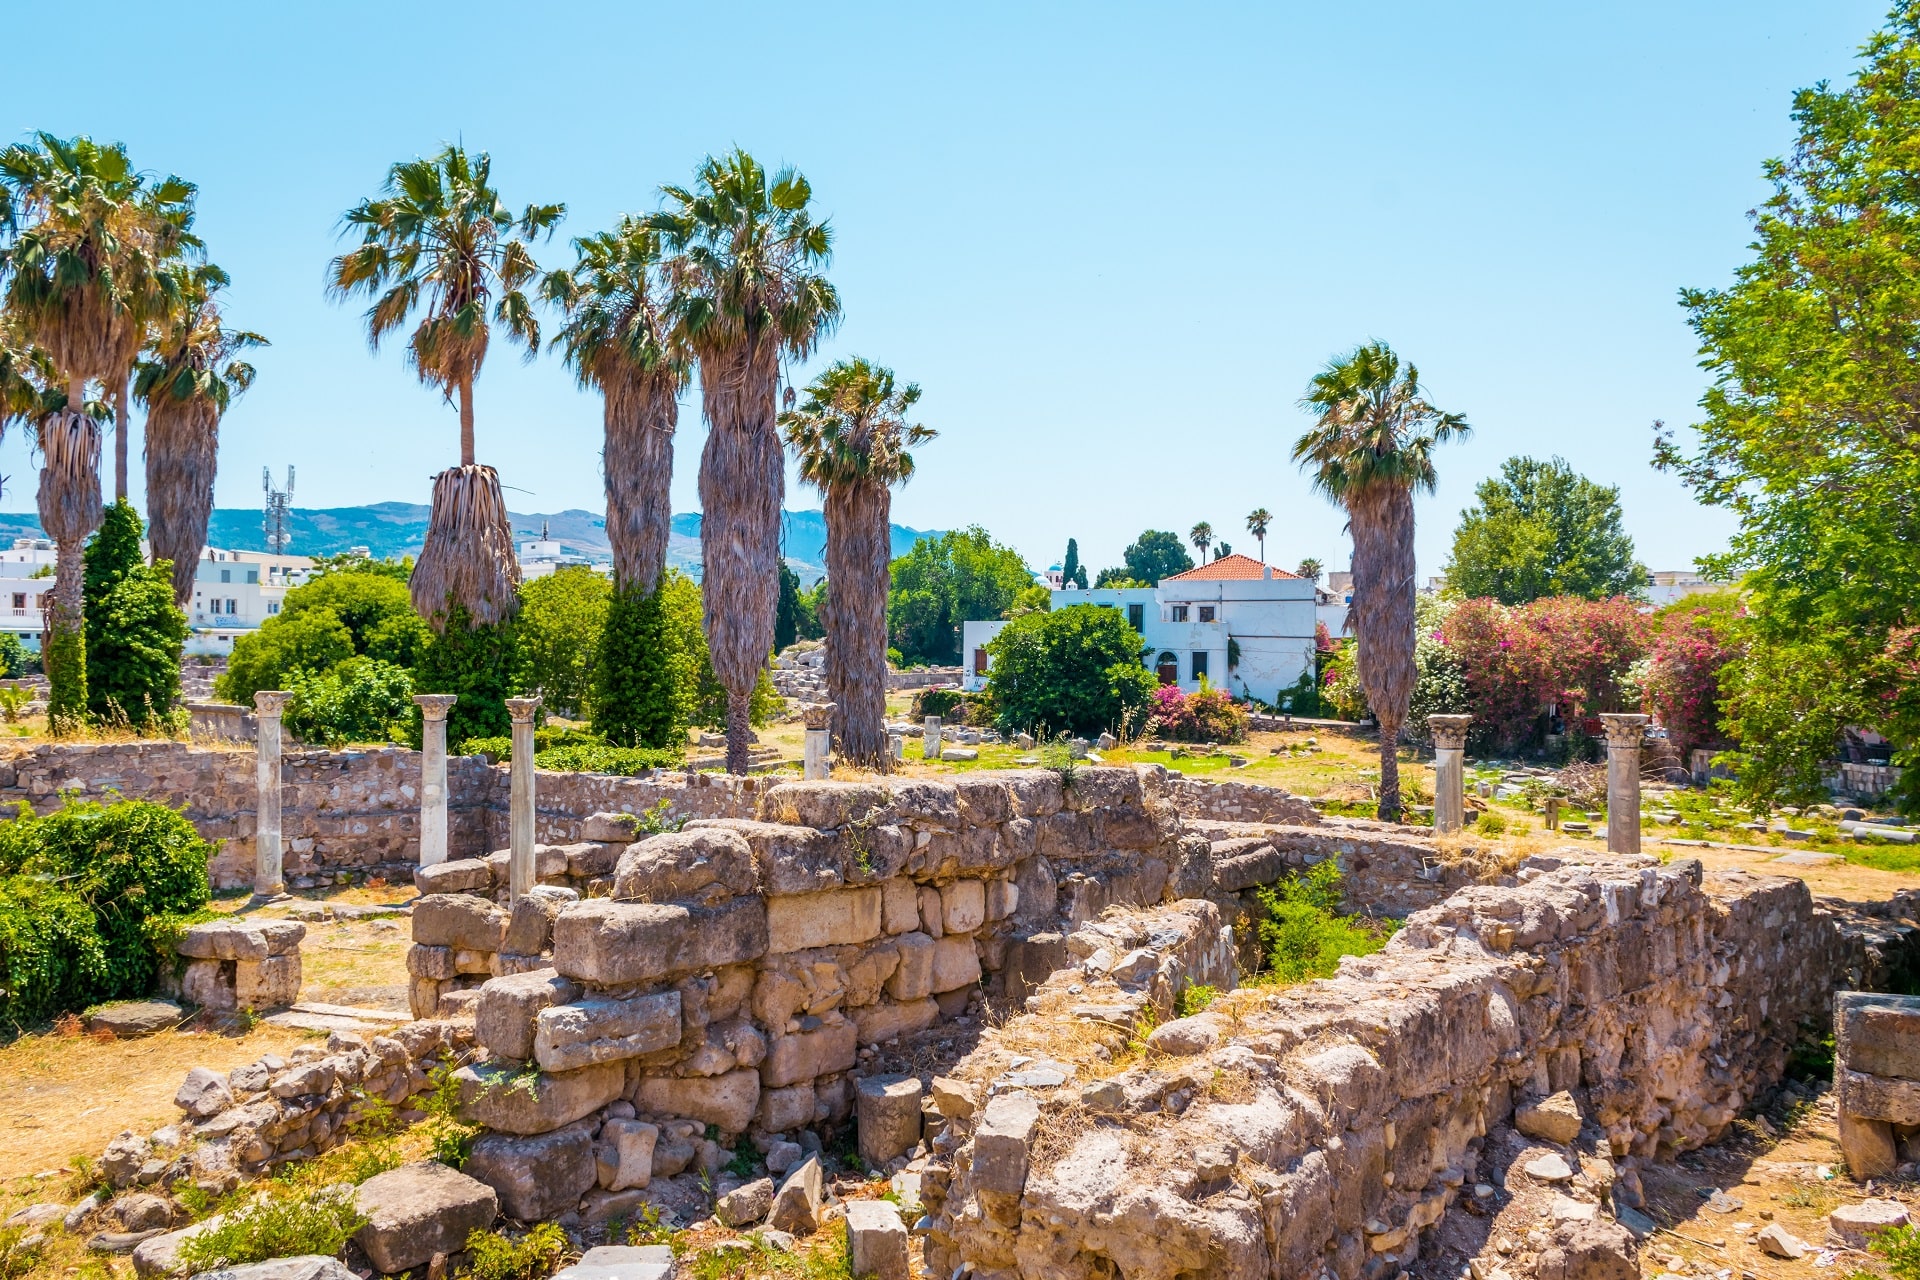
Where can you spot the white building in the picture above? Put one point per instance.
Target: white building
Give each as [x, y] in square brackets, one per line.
[26, 585]
[1236, 623]
[1669, 585]
[542, 555]
[235, 591]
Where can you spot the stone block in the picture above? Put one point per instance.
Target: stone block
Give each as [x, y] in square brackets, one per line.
[877, 1240]
[587, 859]
[130, 1019]
[530, 925]
[1878, 1034]
[617, 828]
[983, 802]
[583, 1032]
[419, 1210]
[1551, 1119]
[1855, 1225]
[1064, 835]
[423, 996]
[744, 1206]
[271, 983]
[459, 875]
[1003, 898]
[307, 1266]
[932, 912]
[954, 1099]
[430, 962]
[1868, 1147]
[912, 980]
[832, 1046]
[504, 1097]
[1000, 1144]
[963, 906]
[796, 1206]
[1030, 961]
[622, 1262]
[1035, 793]
[824, 805]
[887, 1112]
[786, 859]
[240, 939]
[678, 865]
[616, 943]
[458, 920]
[626, 1154]
[509, 1009]
[786, 1109]
[955, 964]
[208, 984]
[538, 1176]
[885, 1020]
[203, 1093]
[1878, 1098]
[899, 905]
[837, 918]
[726, 1101]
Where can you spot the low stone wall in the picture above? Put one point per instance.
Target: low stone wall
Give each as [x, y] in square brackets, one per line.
[564, 801]
[1324, 1128]
[1230, 801]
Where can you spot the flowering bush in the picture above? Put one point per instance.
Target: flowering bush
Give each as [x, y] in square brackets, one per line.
[1207, 716]
[1521, 661]
[1340, 690]
[1693, 640]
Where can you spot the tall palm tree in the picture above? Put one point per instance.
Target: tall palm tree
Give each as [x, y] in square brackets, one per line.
[851, 436]
[187, 383]
[1310, 569]
[75, 244]
[618, 338]
[153, 284]
[748, 291]
[1258, 522]
[441, 242]
[1201, 535]
[1369, 449]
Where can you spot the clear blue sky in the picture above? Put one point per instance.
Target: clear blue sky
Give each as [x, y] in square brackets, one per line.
[1111, 241]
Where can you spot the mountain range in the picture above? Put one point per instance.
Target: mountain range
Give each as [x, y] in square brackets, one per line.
[388, 529]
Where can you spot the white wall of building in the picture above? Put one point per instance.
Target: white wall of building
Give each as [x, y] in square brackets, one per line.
[234, 592]
[974, 658]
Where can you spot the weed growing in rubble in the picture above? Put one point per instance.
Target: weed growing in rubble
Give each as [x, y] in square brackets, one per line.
[451, 1136]
[493, 1255]
[1900, 1246]
[1194, 999]
[17, 1256]
[319, 1224]
[646, 1229]
[1304, 935]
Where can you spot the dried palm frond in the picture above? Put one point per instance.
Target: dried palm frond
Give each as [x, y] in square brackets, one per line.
[468, 561]
[69, 492]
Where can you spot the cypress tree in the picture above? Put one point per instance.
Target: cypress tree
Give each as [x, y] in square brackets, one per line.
[134, 631]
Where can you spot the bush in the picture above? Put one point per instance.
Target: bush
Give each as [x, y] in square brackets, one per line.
[1304, 935]
[318, 1224]
[1207, 716]
[642, 689]
[624, 761]
[481, 665]
[1074, 670]
[357, 607]
[51, 956]
[493, 1255]
[1693, 642]
[954, 707]
[134, 630]
[360, 700]
[13, 656]
[562, 618]
[263, 659]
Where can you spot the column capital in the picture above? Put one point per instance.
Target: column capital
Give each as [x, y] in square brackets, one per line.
[818, 715]
[1449, 732]
[434, 706]
[270, 702]
[522, 709]
[1624, 729]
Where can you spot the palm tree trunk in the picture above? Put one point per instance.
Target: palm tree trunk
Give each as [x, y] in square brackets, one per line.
[69, 500]
[640, 418]
[1383, 587]
[182, 453]
[743, 479]
[466, 421]
[856, 621]
[122, 403]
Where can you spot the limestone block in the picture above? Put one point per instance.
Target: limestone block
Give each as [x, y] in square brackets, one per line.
[955, 964]
[539, 1176]
[787, 859]
[203, 1093]
[1878, 1098]
[1855, 1225]
[430, 962]
[963, 906]
[786, 1108]
[509, 1008]
[899, 905]
[587, 859]
[824, 805]
[468, 962]
[240, 939]
[1064, 835]
[626, 1154]
[619, 1261]
[886, 1020]
[460, 875]
[1878, 1034]
[576, 1034]
[1868, 1147]
[983, 802]
[207, 984]
[1001, 1142]
[1003, 898]
[419, 1210]
[887, 1111]
[913, 979]
[1039, 890]
[1551, 1119]
[423, 995]
[1030, 961]
[836, 918]
[877, 1240]
[1035, 793]
[1020, 838]
[726, 1101]
[530, 924]
[503, 1097]
[1184, 1037]
[615, 943]
[619, 828]
[831, 1046]
[796, 1206]
[677, 865]
[267, 984]
[932, 913]
[954, 1099]
[458, 920]
[744, 1206]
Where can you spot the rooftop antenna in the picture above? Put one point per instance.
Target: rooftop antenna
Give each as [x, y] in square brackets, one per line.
[277, 525]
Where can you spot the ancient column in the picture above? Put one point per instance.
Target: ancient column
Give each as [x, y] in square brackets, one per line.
[268, 876]
[1449, 771]
[520, 837]
[433, 775]
[817, 756]
[930, 743]
[1624, 734]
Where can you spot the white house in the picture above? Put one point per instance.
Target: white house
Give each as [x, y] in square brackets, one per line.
[26, 584]
[1669, 585]
[1238, 624]
[235, 591]
[542, 555]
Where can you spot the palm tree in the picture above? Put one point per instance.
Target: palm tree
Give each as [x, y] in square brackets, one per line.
[1201, 536]
[1310, 569]
[1370, 448]
[187, 383]
[851, 436]
[1258, 522]
[442, 242]
[1222, 550]
[617, 338]
[747, 291]
[153, 290]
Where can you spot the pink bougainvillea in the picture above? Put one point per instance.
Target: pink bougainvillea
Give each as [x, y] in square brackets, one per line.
[1523, 661]
[1691, 642]
[1207, 716]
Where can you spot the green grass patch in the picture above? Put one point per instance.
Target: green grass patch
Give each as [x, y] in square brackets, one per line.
[320, 1223]
[494, 1255]
[1304, 935]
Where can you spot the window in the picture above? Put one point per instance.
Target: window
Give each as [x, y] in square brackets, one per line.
[1179, 613]
[19, 599]
[273, 606]
[1136, 616]
[233, 606]
[226, 575]
[253, 575]
[1199, 664]
[1206, 613]
[979, 662]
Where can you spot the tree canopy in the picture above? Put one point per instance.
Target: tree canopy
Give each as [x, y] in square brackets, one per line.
[1154, 555]
[1538, 529]
[942, 582]
[1074, 670]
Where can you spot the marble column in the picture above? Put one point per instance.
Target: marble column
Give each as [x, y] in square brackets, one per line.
[520, 824]
[817, 753]
[930, 743]
[269, 879]
[1449, 771]
[1624, 735]
[433, 775]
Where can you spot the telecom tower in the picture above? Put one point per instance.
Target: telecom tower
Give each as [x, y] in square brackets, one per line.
[277, 526]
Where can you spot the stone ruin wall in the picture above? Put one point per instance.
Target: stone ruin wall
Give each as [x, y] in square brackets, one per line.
[1320, 1131]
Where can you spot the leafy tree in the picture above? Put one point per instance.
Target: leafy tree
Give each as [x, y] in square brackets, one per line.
[810, 607]
[358, 606]
[1035, 599]
[359, 700]
[1118, 578]
[134, 630]
[942, 582]
[643, 693]
[786, 616]
[1154, 555]
[1074, 670]
[482, 665]
[1539, 530]
[1807, 430]
[1072, 572]
[399, 570]
[562, 617]
[266, 658]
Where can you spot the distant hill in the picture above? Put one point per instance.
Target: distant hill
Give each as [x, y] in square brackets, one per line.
[390, 529]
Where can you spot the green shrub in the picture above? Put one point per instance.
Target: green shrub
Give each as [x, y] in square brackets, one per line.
[13, 655]
[624, 761]
[1900, 1246]
[51, 956]
[642, 691]
[563, 617]
[320, 1223]
[494, 1255]
[355, 608]
[481, 665]
[134, 630]
[1304, 935]
[360, 700]
[1491, 822]
[1074, 670]
[20, 1252]
[954, 707]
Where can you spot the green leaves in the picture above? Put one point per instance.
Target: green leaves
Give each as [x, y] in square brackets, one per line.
[1375, 428]
[1539, 530]
[1074, 671]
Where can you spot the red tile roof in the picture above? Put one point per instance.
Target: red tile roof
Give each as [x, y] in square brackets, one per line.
[1235, 567]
